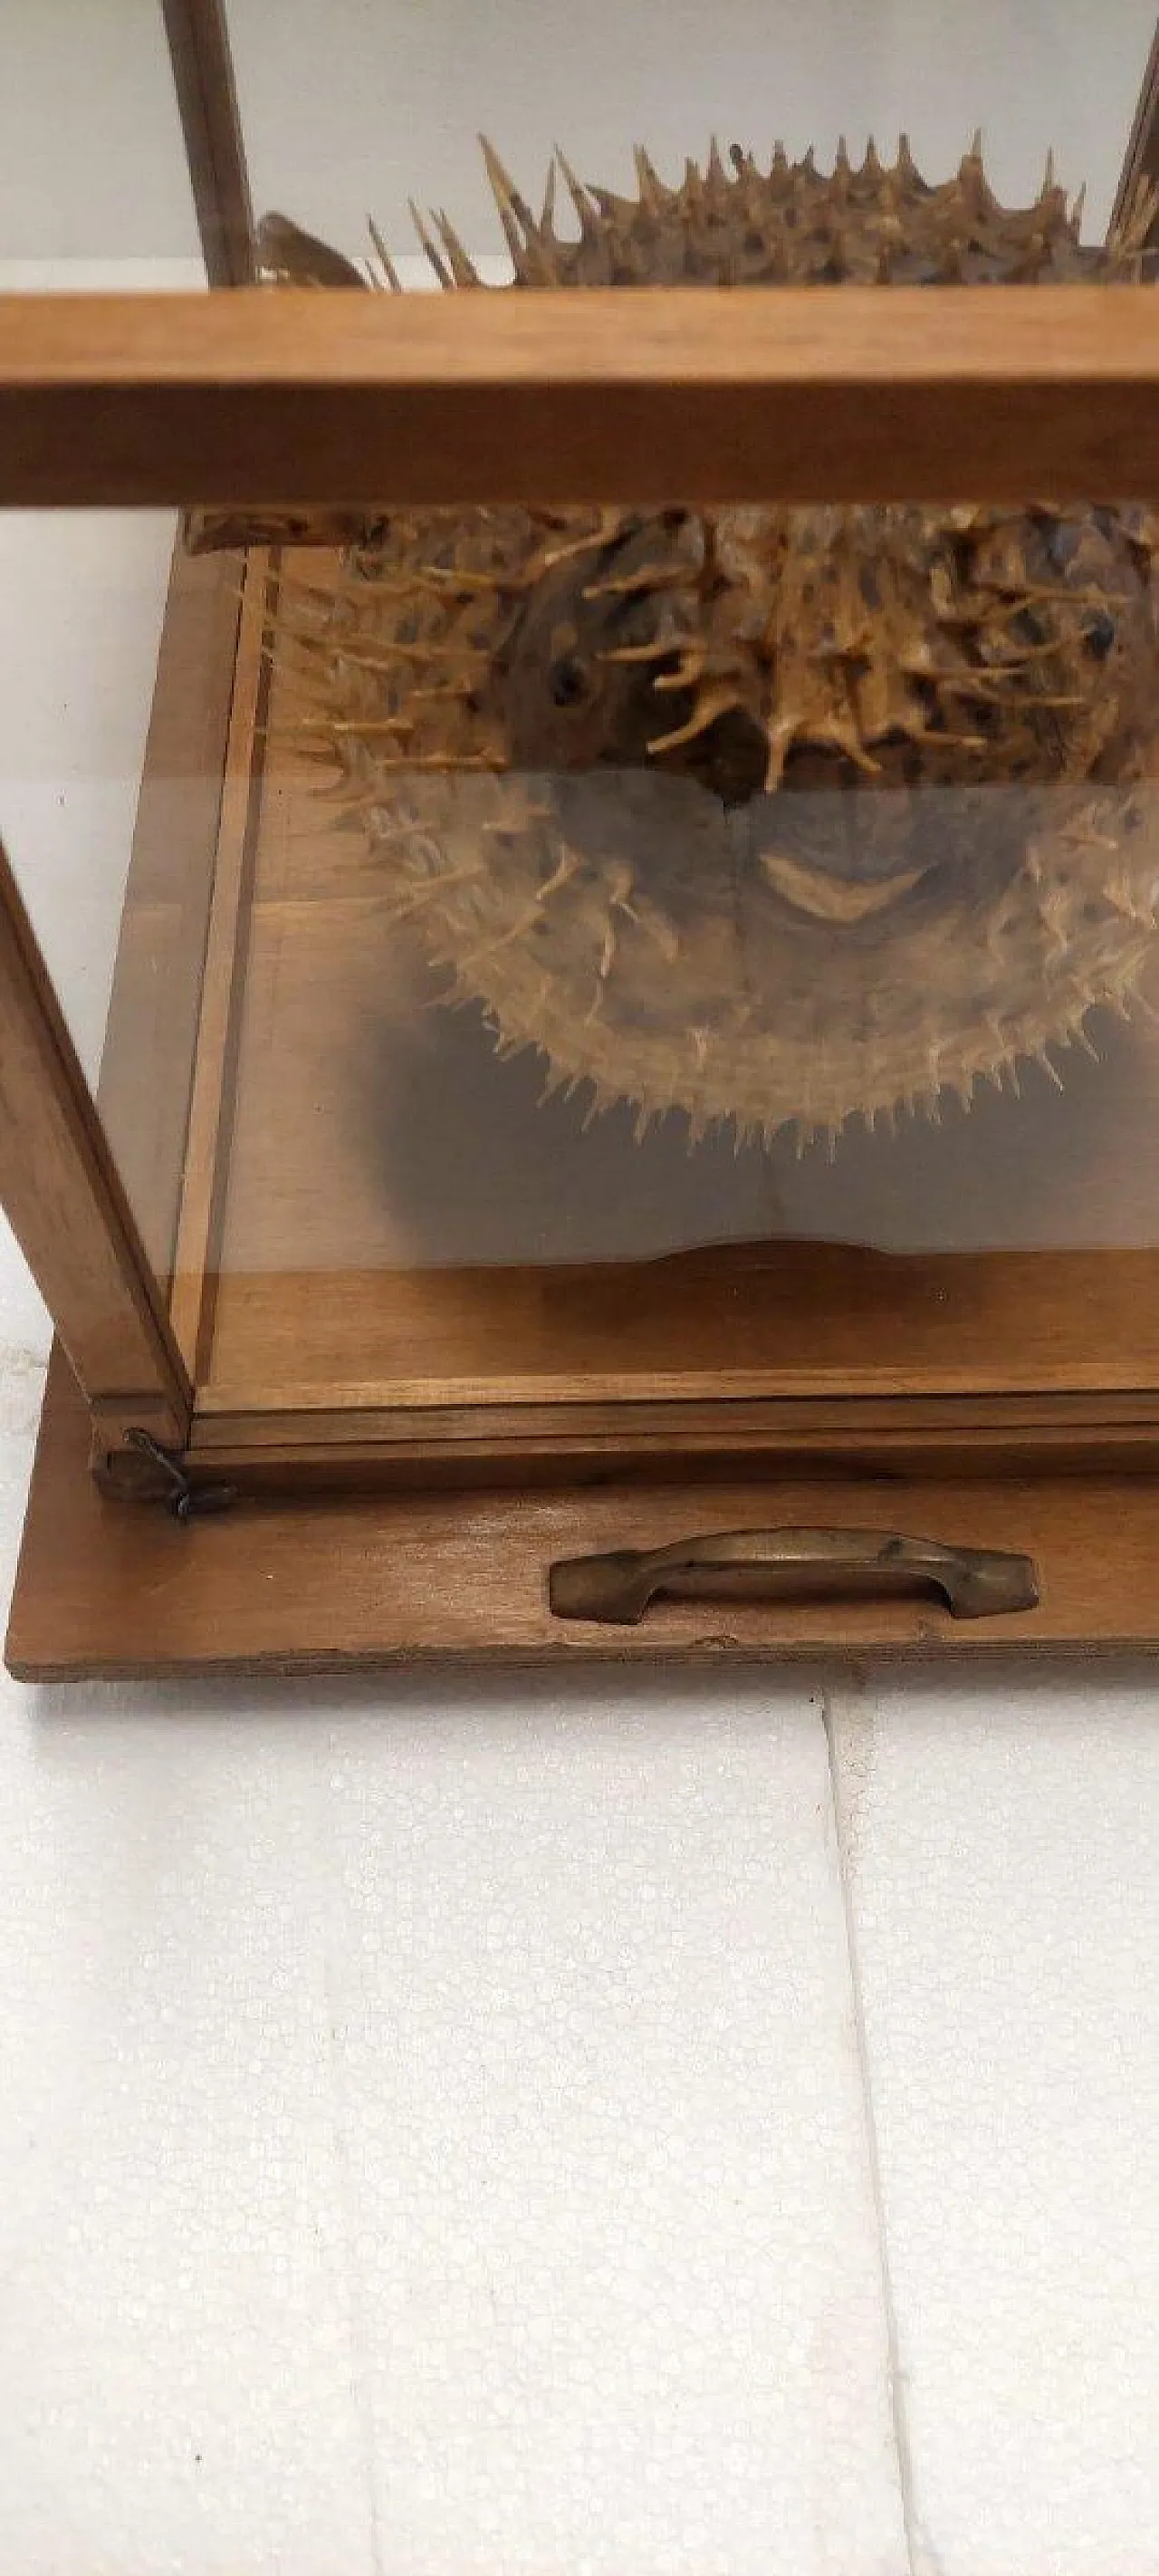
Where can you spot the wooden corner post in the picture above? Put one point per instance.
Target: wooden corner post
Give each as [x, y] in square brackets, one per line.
[203, 77]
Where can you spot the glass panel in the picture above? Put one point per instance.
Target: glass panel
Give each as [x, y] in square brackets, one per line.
[347, 108]
[641, 950]
[94, 186]
[610, 917]
[627, 884]
[535, 997]
[113, 723]
[96, 195]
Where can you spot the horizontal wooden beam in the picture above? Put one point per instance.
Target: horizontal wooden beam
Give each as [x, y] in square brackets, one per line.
[808, 394]
[371, 1578]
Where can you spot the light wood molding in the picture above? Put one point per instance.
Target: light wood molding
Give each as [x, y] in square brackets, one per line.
[112, 1588]
[791, 394]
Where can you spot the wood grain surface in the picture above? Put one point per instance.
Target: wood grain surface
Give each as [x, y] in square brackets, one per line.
[110, 1588]
[734, 1320]
[661, 395]
[199, 51]
[148, 1060]
[225, 950]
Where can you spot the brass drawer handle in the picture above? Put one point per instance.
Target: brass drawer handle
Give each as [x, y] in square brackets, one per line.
[975, 1583]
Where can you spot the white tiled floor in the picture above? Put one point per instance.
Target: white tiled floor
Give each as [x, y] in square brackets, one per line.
[433, 2136]
[432, 2139]
[1002, 1862]
[618, 2272]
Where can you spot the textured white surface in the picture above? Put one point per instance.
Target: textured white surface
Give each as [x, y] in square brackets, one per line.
[175, 2355]
[619, 2281]
[431, 2139]
[1002, 1860]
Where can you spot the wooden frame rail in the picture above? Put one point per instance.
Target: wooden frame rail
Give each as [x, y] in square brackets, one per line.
[199, 50]
[390, 1578]
[701, 395]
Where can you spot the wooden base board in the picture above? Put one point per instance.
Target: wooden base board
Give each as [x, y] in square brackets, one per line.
[110, 1590]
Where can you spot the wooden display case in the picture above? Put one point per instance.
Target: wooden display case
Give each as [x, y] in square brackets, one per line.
[399, 1339]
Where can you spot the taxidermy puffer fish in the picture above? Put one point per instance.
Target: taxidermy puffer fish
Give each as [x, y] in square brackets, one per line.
[772, 816]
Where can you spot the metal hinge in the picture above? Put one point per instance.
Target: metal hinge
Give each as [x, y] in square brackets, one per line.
[170, 1483]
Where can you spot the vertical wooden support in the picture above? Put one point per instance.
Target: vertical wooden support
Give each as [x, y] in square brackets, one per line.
[1142, 155]
[66, 1204]
[148, 1064]
[207, 98]
[222, 985]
